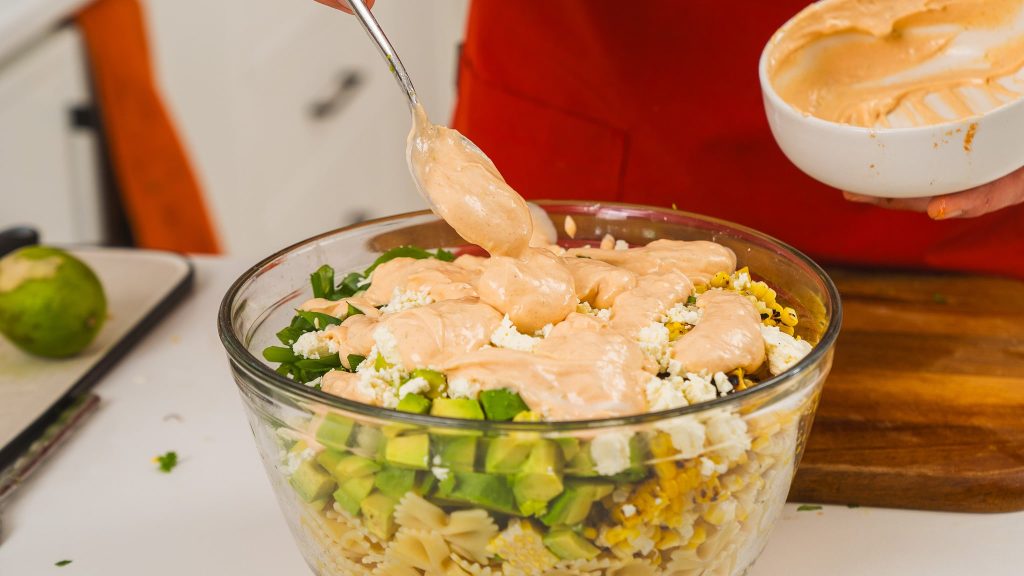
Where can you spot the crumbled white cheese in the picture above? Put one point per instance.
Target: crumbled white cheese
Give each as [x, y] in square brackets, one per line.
[698, 388]
[295, 459]
[662, 394]
[387, 346]
[675, 367]
[708, 467]
[313, 345]
[315, 382]
[653, 340]
[460, 388]
[365, 281]
[684, 314]
[727, 435]
[610, 451]
[687, 435]
[507, 336]
[741, 281]
[544, 331]
[722, 383]
[413, 386]
[440, 472]
[406, 300]
[783, 350]
[621, 245]
[628, 510]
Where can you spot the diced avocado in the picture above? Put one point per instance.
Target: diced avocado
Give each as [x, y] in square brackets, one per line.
[505, 455]
[369, 442]
[379, 514]
[582, 464]
[392, 430]
[351, 492]
[602, 489]
[528, 416]
[425, 483]
[570, 447]
[311, 481]
[465, 408]
[415, 403]
[334, 431]
[540, 478]
[571, 506]
[395, 482]
[438, 383]
[412, 451]
[569, 545]
[456, 452]
[502, 404]
[484, 490]
[344, 466]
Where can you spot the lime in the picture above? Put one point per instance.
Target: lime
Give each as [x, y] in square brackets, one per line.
[51, 303]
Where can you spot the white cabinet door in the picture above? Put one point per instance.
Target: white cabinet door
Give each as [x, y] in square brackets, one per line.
[48, 169]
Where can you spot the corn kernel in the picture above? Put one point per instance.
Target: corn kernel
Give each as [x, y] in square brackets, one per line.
[700, 534]
[589, 533]
[669, 538]
[769, 297]
[719, 280]
[788, 316]
[786, 329]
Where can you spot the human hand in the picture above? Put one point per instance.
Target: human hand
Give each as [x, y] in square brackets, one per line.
[1006, 191]
[343, 5]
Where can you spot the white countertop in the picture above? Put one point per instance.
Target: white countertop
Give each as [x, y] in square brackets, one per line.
[101, 503]
[22, 20]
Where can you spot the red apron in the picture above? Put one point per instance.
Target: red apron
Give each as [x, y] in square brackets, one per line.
[660, 104]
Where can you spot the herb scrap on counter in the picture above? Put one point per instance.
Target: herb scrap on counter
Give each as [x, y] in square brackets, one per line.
[62, 563]
[307, 370]
[166, 461]
[808, 508]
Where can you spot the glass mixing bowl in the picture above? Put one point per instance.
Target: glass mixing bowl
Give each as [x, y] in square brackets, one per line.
[368, 490]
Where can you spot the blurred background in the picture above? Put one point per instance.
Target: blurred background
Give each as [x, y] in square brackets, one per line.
[284, 116]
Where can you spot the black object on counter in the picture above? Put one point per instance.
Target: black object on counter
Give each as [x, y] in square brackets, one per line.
[13, 238]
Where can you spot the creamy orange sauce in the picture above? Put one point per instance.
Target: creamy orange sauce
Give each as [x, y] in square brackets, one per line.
[728, 335]
[917, 62]
[578, 365]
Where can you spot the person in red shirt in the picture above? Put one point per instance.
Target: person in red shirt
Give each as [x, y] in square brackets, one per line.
[660, 104]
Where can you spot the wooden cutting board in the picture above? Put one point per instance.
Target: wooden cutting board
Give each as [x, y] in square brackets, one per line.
[924, 407]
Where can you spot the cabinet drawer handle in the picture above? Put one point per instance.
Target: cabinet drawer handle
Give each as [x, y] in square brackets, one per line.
[348, 85]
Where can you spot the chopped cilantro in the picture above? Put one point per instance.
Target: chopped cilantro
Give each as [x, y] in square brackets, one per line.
[167, 461]
[62, 563]
[807, 508]
[691, 300]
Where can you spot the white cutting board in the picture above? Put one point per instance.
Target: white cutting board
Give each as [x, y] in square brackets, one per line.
[137, 284]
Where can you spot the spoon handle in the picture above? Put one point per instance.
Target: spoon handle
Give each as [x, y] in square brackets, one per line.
[369, 23]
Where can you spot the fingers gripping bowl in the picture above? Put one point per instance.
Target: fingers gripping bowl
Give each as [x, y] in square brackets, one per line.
[370, 490]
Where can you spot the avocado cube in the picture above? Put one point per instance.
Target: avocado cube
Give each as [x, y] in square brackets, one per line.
[456, 452]
[507, 454]
[540, 478]
[570, 447]
[465, 408]
[414, 403]
[395, 482]
[425, 482]
[438, 383]
[581, 464]
[379, 514]
[334, 431]
[411, 451]
[569, 545]
[502, 404]
[344, 466]
[484, 490]
[369, 442]
[311, 482]
[602, 489]
[571, 506]
[351, 492]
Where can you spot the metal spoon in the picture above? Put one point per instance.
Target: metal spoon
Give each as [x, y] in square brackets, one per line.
[373, 30]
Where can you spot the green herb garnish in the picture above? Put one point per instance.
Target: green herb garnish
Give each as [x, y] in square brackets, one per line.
[807, 508]
[354, 360]
[62, 563]
[319, 320]
[167, 461]
[691, 300]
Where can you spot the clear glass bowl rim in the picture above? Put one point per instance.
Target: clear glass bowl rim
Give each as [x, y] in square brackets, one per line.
[242, 359]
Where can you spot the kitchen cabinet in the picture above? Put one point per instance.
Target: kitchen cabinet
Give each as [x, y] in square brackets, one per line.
[48, 152]
[290, 116]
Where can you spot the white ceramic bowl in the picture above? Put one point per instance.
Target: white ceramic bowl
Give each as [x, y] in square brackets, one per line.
[897, 162]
